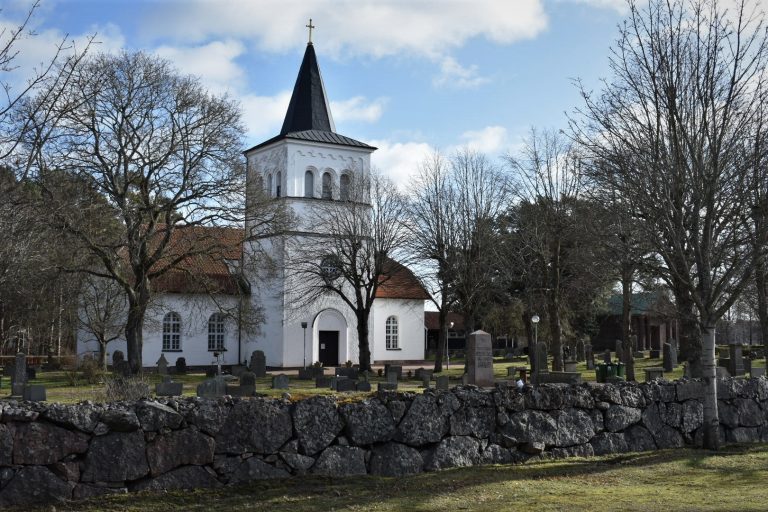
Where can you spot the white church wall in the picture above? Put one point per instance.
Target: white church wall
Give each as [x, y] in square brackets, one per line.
[410, 318]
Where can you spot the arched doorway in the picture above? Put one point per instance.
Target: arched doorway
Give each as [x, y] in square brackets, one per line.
[330, 335]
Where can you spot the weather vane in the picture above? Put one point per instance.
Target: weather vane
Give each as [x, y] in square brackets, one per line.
[310, 27]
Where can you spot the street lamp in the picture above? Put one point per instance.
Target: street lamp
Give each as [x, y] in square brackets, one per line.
[535, 322]
[304, 326]
[447, 355]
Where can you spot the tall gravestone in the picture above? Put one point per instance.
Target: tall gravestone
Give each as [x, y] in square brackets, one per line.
[589, 356]
[19, 375]
[580, 355]
[667, 355]
[259, 363]
[162, 365]
[480, 359]
[736, 363]
[619, 350]
[540, 359]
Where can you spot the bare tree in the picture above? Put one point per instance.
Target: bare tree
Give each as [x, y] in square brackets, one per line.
[164, 158]
[687, 83]
[102, 312]
[351, 255]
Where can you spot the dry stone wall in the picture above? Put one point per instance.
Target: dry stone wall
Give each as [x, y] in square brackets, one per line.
[51, 452]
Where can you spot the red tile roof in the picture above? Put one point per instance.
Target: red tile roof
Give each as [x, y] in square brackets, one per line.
[401, 284]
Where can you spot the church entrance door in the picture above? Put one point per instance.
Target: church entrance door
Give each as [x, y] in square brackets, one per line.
[329, 347]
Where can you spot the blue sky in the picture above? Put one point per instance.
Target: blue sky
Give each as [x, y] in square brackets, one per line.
[405, 76]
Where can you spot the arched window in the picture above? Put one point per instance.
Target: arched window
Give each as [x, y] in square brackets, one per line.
[309, 184]
[269, 184]
[392, 333]
[278, 183]
[171, 332]
[344, 187]
[327, 186]
[216, 332]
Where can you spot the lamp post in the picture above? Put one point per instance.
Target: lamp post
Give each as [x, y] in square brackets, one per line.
[535, 322]
[447, 355]
[304, 326]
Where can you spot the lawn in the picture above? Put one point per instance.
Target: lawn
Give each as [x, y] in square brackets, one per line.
[669, 480]
[60, 390]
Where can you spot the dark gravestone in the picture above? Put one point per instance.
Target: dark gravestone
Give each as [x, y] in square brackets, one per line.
[425, 381]
[480, 359]
[569, 366]
[589, 356]
[668, 363]
[387, 386]
[580, 354]
[392, 377]
[653, 373]
[162, 365]
[168, 387]
[348, 372]
[181, 365]
[247, 384]
[323, 382]
[259, 363]
[280, 381]
[34, 393]
[305, 374]
[654, 354]
[736, 363]
[343, 384]
[19, 375]
[540, 358]
[607, 356]
[395, 368]
[117, 358]
[747, 366]
[363, 385]
[212, 388]
[619, 350]
[757, 372]
[442, 382]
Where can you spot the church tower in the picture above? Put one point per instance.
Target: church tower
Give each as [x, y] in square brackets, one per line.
[306, 163]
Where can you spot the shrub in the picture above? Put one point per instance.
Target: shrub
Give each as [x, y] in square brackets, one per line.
[90, 370]
[121, 389]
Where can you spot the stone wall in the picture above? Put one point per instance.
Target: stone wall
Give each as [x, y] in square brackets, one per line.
[51, 452]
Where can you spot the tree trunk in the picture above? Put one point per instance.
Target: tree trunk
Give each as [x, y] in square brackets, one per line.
[442, 336]
[134, 326]
[711, 424]
[529, 337]
[761, 283]
[690, 334]
[626, 320]
[103, 354]
[362, 340]
[555, 329]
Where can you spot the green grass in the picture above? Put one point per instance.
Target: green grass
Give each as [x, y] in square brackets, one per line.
[669, 480]
[59, 390]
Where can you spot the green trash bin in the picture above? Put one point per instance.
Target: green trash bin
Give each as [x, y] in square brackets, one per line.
[620, 370]
[600, 372]
[610, 371]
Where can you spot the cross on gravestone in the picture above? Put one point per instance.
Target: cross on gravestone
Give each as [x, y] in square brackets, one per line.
[480, 359]
[258, 363]
[162, 365]
[168, 387]
[280, 381]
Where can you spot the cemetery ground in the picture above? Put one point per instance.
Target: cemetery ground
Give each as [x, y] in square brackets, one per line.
[668, 480]
[60, 389]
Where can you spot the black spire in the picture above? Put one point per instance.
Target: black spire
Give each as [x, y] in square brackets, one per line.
[308, 109]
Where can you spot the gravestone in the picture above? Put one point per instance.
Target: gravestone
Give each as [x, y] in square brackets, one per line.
[123, 368]
[425, 380]
[162, 365]
[305, 374]
[442, 383]
[280, 381]
[168, 387]
[181, 365]
[19, 375]
[747, 366]
[580, 355]
[117, 358]
[395, 368]
[757, 372]
[653, 373]
[607, 356]
[633, 346]
[668, 364]
[342, 383]
[736, 363]
[619, 350]
[540, 362]
[34, 393]
[589, 356]
[480, 359]
[247, 383]
[392, 377]
[363, 385]
[212, 388]
[722, 373]
[323, 382]
[387, 386]
[654, 353]
[348, 372]
[258, 363]
[465, 379]
[569, 366]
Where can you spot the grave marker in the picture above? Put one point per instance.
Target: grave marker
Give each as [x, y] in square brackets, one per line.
[442, 383]
[280, 381]
[212, 388]
[580, 353]
[19, 375]
[670, 359]
[480, 359]
[589, 356]
[162, 365]
[168, 387]
[34, 393]
[736, 363]
[258, 363]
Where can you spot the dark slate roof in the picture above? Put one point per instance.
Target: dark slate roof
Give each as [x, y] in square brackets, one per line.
[309, 116]
[308, 109]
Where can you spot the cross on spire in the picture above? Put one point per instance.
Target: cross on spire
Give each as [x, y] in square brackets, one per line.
[310, 27]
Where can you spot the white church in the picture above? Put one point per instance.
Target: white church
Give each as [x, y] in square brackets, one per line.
[307, 164]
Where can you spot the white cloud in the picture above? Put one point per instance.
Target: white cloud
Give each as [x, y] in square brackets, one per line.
[454, 75]
[490, 140]
[399, 160]
[214, 63]
[352, 27]
[617, 5]
[263, 115]
[358, 108]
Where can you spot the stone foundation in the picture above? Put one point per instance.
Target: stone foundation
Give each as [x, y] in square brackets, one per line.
[52, 452]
